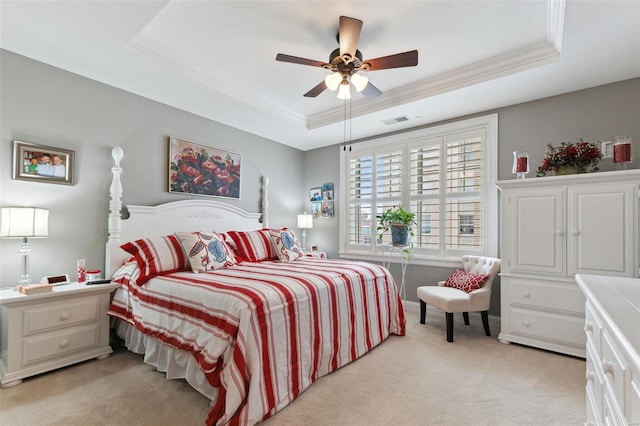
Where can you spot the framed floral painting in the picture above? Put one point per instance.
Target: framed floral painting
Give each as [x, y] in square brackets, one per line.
[203, 170]
[39, 163]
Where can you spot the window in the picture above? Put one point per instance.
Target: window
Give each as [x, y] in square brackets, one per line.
[445, 175]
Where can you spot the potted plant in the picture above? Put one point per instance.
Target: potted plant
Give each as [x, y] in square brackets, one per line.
[570, 157]
[400, 222]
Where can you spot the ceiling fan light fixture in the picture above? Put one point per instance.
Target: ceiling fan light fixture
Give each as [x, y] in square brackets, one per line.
[359, 82]
[333, 81]
[344, 93]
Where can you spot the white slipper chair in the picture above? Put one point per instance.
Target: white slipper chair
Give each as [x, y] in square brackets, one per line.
[464, 298]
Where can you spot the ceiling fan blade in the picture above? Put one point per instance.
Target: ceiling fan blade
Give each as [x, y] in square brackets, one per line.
[370, 91]
[316, 90]
[399, 60]
[348, 35]
[296, 60]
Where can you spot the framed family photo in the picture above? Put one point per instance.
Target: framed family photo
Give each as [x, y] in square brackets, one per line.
[203, 170]
[39, 163]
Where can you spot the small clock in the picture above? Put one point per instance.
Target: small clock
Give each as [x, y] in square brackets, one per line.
[55, 279]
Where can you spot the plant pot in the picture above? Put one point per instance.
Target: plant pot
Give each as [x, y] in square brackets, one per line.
[400, 234]
[566, 170]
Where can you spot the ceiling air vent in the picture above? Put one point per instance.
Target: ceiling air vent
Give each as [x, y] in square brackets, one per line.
[395, 120]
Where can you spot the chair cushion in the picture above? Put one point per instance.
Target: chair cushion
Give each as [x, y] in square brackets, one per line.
[466, 281]
[447, 299]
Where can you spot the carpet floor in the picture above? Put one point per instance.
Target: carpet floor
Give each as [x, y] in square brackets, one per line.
[418, 379]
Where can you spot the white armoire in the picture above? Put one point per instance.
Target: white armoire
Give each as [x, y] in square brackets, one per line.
[551, 229]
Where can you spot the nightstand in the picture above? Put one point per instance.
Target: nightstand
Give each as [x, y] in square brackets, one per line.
[42, 332]
[315, 254]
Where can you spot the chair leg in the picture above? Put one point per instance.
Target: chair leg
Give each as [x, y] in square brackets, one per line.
[423, 312]
[449, 326]
[465, 315]
[485, 322]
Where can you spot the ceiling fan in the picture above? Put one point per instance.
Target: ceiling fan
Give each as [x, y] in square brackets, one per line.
[346, 61]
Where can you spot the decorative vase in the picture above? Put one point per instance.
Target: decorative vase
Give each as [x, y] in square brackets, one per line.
[400, 235]
[565, 170]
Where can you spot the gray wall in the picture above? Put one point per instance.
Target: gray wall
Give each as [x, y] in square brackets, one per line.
[595, 114]
[46, 105]
[49, 106]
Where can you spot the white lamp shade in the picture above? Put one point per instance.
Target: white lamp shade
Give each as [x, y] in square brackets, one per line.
[359, 82]
[305, 221]
[19, 222]
[332, 81]
[344, 92]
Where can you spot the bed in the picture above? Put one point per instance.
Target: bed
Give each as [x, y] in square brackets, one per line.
[250, 335]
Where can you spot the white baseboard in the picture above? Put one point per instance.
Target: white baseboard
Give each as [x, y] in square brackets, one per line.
[413, 308]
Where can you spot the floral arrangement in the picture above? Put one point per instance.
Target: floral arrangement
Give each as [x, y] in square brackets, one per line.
[582, 156]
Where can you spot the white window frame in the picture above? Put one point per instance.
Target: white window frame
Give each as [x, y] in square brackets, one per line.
[489, 202]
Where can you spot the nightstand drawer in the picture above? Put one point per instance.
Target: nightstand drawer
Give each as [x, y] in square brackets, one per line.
[51, 345]
[56, 315]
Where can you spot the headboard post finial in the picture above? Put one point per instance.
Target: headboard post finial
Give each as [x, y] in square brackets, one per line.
[115, 205]
[265, 202]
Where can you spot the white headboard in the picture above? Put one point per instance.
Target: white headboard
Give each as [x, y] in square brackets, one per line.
[177, 216]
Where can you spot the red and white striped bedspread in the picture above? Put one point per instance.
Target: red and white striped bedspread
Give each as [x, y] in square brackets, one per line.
[263, 332]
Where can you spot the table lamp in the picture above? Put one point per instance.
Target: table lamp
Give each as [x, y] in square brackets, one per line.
[305, 221]
[25, 223]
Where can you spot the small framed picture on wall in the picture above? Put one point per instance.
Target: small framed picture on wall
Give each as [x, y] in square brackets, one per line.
[327, 209]
[327, 192]
[315, 194]
[316, 209]
[39, 163]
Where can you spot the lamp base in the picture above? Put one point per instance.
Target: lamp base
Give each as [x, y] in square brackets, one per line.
[25, 251]
[304, 240]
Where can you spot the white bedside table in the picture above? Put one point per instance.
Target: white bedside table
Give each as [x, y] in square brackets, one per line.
[42, 332]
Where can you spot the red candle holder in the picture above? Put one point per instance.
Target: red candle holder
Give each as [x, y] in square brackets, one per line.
[622, 151]
[520, 164]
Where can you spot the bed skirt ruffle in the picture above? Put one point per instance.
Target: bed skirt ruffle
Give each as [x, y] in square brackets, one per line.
[175, 363]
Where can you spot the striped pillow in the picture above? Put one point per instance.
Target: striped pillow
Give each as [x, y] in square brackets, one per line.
[157, 255]
[254, 246]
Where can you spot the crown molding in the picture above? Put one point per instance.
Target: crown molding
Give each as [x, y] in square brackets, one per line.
[152, 47]
[525, 58]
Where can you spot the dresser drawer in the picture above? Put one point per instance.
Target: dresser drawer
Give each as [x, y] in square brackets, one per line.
[565, 329]
[615, 369]
[50, 345]
[52, 316]
[594, 386]
[551, 295]
[593, 328]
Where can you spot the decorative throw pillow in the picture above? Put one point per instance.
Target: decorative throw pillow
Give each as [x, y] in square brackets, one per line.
[254, 246]
[466, 281]
[287, 246]
[157, 255]
[206, 251]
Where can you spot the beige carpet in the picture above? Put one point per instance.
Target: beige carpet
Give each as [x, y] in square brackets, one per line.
[419, 379]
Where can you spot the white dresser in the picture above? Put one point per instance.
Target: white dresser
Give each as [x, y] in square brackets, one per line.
[612, 327]
[551, 229]
[42, 332]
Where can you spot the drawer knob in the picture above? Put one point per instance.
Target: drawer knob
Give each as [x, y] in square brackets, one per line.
[588, 326]
[575, 232]
[65, 316]
[590, 376]
[526, 323]
[64, 343]
[559, 232]
[526, 293]
[608, 367]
